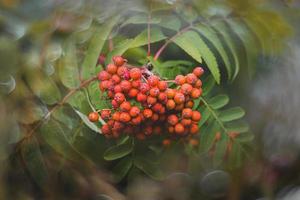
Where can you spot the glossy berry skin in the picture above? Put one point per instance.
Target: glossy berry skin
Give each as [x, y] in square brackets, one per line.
[134, 111]
[135, 73]
[198, 71]
[105, 114]
[147, 113]
[141, 97]
[179, 98]
[157, 107]
[186, 122]
[194, 129]
[171, 104]
[115, 79]
[151, 100]
[111, 68]
[189, 104]
[187, 113]
[153, 80]
[93, 116]
[196, 93]
[125, 117]
[122, 71]
[162, 97]
[117, 89]
[154, 92]
[162, 85]
[186, 88]
[125, 85]
[173, 120]
[136, 84]
[198, 84]
[133, 92]
[170, 93]
[119, 60]
[196, 116]
[119, 98]
[137, 120]
[125, 106]
[144, 88]
[116, 116]
[191, 78]
[103, 76]
[180, 79]
[179, 128]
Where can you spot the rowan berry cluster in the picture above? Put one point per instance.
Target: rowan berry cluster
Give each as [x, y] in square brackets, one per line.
[143, 104]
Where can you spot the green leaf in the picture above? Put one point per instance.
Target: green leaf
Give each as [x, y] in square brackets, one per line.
[176, 63]
[220, 150]
[208, 136]
[149, 168]
[77, 99]
[87, 122]
[68, 67]
[209, 84]
[141, 19]
[119, 151]
[231, 114]
[96, 96]
[170, 22]
[122, 168]
[237, 126]
[34, 161]
[218, 102]
[96, 44]
[54, 135]
[194, 45]
[138, 41]
[245, 137]
[43, 87]
[211, 35]
[235, 156]
[205, 113]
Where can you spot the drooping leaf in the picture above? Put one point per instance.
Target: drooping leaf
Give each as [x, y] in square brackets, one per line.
[231, 114]
[119, 151]
[87, 122]
[149, 168]
[34, 161]
[96, 44]
[68, 66]
[193, 44]
[122, 168]
[218, 101]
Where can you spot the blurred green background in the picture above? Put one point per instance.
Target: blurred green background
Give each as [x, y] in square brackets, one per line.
[43, 44]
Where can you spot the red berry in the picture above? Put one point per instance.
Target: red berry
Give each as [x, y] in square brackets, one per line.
[180, 79]
[134, 111]
[157, 130]
[153, 80]
[186, 122]
[116, 116]
[125, 117]
[135, 73]
[125, 85]
[117, 89]
[101, 59]
[141, 97]
[179, 98]
[93, 116]
[173, 120]
[103, 85]
[171, 129]
[105, 129]
[115, 79]
[170, 93]
[187, 113]
[162, 97]
[147, 113]
[133, 92]
[148, 130]
[136, 84]
[179, 107]
[162, 85]
[154, 92]
[144, 88]
[196, 116]
[191, 78]
[189, 104]
[179, 128]
[155, 117]
[110, 94]
[151, 100]
[119, 60]
[137, 120]
[119, 97]
[105, 114]
[125, 106]
[198, 84]
[194, 129]
[117, 126]
[196, 93]
[198, 71]
[115, 104]
[122, 71]
[157, 107]
[111, 68]
[103, 76]
[186, 88]
[171, 104]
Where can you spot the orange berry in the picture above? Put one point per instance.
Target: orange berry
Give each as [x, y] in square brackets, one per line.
[136, 84]
[162, 85]
[180, 79]
[186, 88]
[134, 111]
[196, 116]
[133, 92]
[162, 97]
[194, 129]
[186, 122]
[111, 68]
[155, 117]
[198, 84]
[115, 104]
[135, 73]
[154, 92]
[105, 114]
[171, 129]
[147, 113]
[125, 106]
[125, 117]
[119, 97]
[187, 113]
[171, 104]
[110, 94]
[105, 129]
[198, 71]
[121, 71]
[153, 80]
[196, 93]
[170, 93]
[157, 107]
[103, 76]
[189, 104]
[191, 78]
[179, 98]
[137, 120]
[117, 126]
[125, 85]
[151, 100]
[172, 119]
[116, 116]
[117, 89]
[103, 85]
[194, 142]
[179, 128]
[115, 79]
[166, 142]
[141, 97]
[110, 122]
[179, 107]
[144, 88]
[118, 60]
[93, 116]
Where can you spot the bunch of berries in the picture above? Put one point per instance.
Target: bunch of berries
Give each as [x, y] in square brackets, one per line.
[143, 104]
